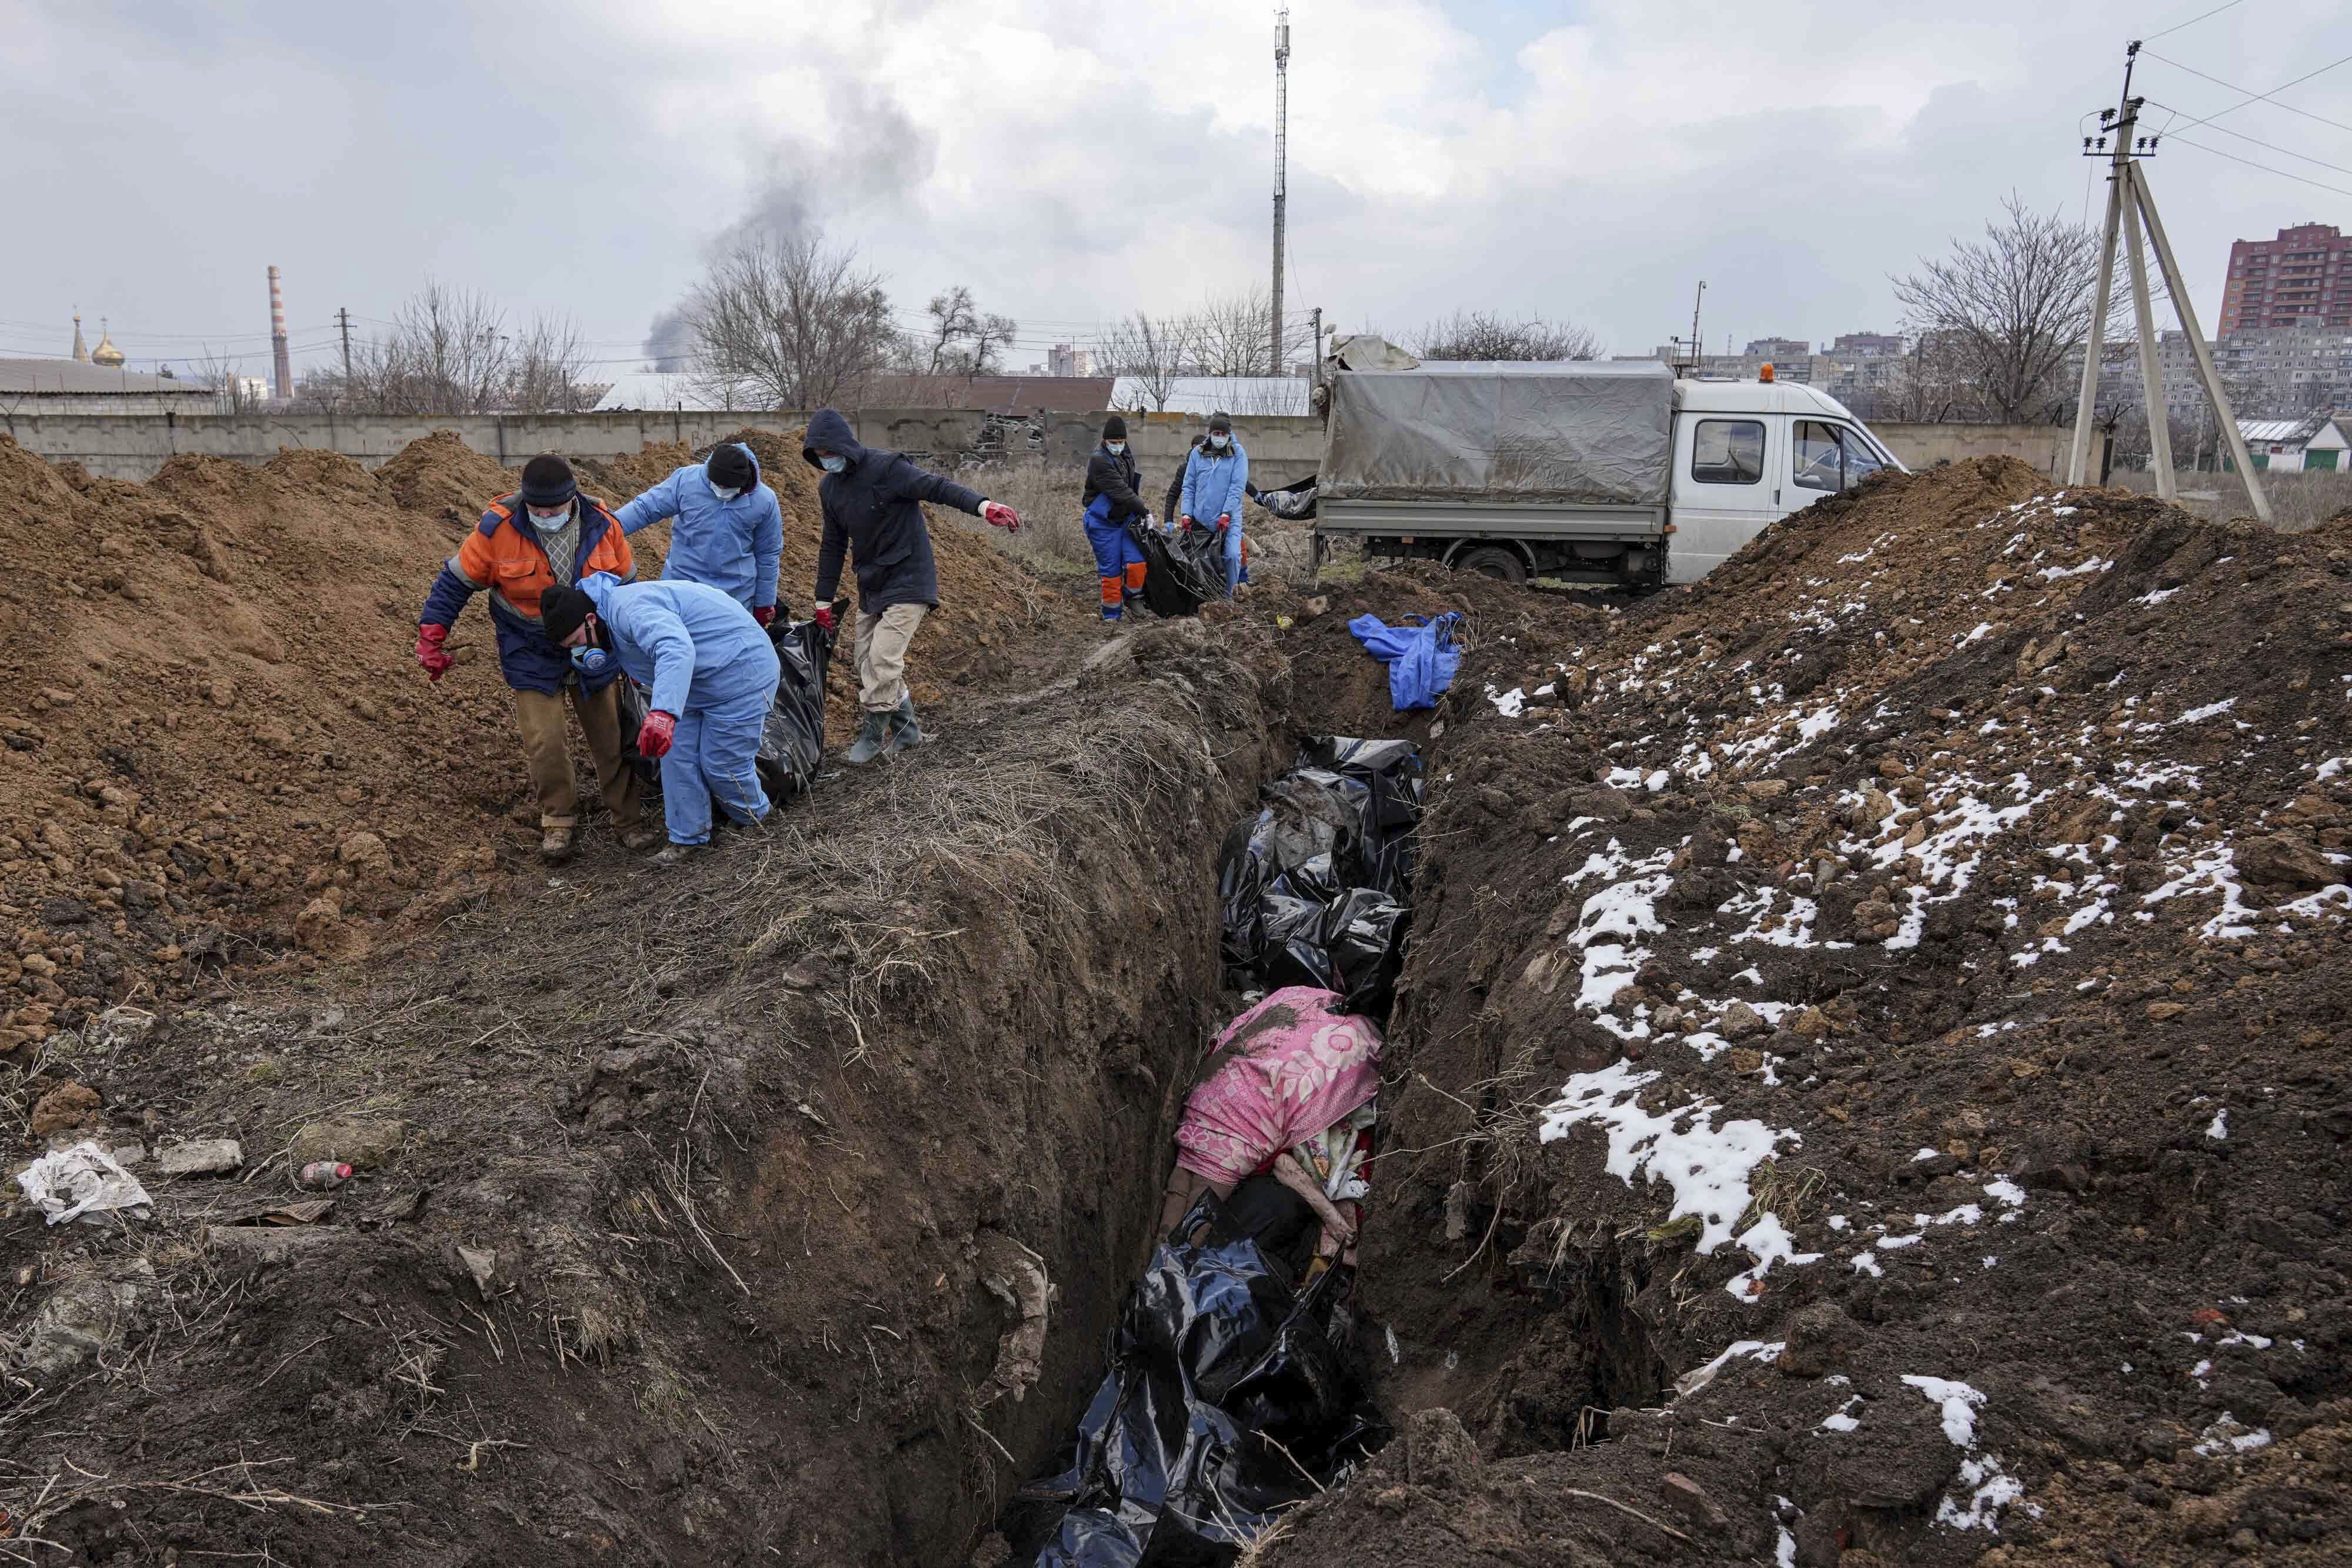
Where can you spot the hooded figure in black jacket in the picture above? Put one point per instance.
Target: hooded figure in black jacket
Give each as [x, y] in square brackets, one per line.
[873, 511]
[1112, 505]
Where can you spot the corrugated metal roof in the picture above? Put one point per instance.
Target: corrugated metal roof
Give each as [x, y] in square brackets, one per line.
[72, 376]
[1235, 395]
[2280, 430]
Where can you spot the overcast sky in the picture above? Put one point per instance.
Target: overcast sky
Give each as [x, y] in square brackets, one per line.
[1074, 161]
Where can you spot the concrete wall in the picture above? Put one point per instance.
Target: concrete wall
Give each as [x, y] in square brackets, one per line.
[2046, 446]
[132, 446]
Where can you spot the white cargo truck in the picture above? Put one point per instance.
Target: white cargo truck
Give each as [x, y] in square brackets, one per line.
[1614, 473]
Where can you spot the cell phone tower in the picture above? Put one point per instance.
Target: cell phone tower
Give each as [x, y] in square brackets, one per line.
[1281, 167]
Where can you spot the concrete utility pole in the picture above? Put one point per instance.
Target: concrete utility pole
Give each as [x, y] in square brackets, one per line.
[2130, 206]
[343, 317]
[1281, 168]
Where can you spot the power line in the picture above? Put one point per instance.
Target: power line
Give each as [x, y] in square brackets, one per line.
[2252, 95]
[2259, 143]
[2265, 168]
[2194, 20]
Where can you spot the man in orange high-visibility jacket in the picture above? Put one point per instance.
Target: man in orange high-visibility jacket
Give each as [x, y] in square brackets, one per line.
[546, 533]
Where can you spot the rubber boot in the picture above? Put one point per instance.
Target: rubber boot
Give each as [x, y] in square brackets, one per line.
[903, 731]
[870, 739]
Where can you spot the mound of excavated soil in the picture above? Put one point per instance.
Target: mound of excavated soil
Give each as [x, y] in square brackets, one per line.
[695, 1215]
[217, 746]
[439, 474]
[1900, 985]
[219, 749]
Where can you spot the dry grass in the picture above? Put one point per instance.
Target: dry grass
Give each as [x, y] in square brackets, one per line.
[997, 827]
[2298, 501]
[1053, 539]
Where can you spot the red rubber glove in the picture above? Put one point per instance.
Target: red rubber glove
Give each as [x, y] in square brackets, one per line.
[653, 740]
[997, 514]
[763, 614]
[429, 651]
[1224, 521]
[1186, 523]
[824, 618]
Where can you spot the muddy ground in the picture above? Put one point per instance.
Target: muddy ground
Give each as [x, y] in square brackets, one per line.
[1866, 1085]
[1905, 975]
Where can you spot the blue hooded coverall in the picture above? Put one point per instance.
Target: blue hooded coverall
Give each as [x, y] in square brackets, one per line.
[712, 665]
[1214, 485]
[733, 546]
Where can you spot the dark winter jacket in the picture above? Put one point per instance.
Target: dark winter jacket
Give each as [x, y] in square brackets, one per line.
[504, 557]
[1113, 475]
[873, 509]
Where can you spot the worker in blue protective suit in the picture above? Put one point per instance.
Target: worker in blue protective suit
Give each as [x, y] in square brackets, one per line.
[1216, 478]
[1111, 504]
[729, 532]
[713, 674]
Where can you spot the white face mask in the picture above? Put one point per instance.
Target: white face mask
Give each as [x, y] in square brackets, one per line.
[1219, 443]
[551, 524]
[1115, 447]
[833, 462]
[725, 492]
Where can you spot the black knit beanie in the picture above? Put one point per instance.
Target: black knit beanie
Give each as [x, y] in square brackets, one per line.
[1221, 423]
[1115, 428]
[564, 611]
[547, 481]
[731, 466]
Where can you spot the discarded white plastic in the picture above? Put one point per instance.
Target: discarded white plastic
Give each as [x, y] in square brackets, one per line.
[83, 1180]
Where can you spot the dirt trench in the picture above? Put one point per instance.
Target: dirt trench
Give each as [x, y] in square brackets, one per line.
[697, 1217]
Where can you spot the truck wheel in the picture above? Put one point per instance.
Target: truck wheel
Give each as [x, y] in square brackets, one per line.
[1502, 565]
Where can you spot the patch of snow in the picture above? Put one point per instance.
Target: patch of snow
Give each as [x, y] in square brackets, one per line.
[2197, 714]
[1699, 1377]
[2228, 1435]
[1706, 1165]
[2219, 1129]
[1924, 1155]
[1510, 704]
[1839, 1420]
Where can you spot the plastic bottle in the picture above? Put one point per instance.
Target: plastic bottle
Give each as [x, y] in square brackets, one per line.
[323, 1174]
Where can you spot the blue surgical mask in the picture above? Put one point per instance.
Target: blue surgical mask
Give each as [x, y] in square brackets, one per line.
[591, 660]
[551, 524]
[833, 462]
[1114, 447]
[1219, 443]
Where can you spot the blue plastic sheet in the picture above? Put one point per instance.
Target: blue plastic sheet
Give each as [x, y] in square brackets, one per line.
[1421, 656]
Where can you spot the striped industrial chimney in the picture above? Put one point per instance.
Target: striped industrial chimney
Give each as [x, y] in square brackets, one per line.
[281, 363]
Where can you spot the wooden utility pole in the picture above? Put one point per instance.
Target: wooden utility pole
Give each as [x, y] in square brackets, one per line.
[2131, 206]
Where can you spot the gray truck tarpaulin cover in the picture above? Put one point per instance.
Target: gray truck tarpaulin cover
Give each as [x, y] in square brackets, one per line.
[1575, 431]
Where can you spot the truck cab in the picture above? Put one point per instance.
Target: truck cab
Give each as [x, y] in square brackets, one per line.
[1749, 452]
[1616, 474]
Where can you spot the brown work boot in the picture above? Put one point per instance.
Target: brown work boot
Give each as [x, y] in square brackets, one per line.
[555, 845]
[638, 838]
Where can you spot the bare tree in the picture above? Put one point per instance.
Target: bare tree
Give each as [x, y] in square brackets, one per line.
[2010, 309]
[989, 336]
[547, 369]
[1483, 335]
[961, 340]
[217, 374]
[952, 321]
[790, 323]
[1153, 352]
[1231, 332]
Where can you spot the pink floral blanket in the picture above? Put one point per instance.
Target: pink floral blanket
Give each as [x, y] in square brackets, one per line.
[1281, 1072]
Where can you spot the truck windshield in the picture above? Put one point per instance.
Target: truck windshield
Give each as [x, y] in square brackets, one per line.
[1826, 456]
[1728, 452]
